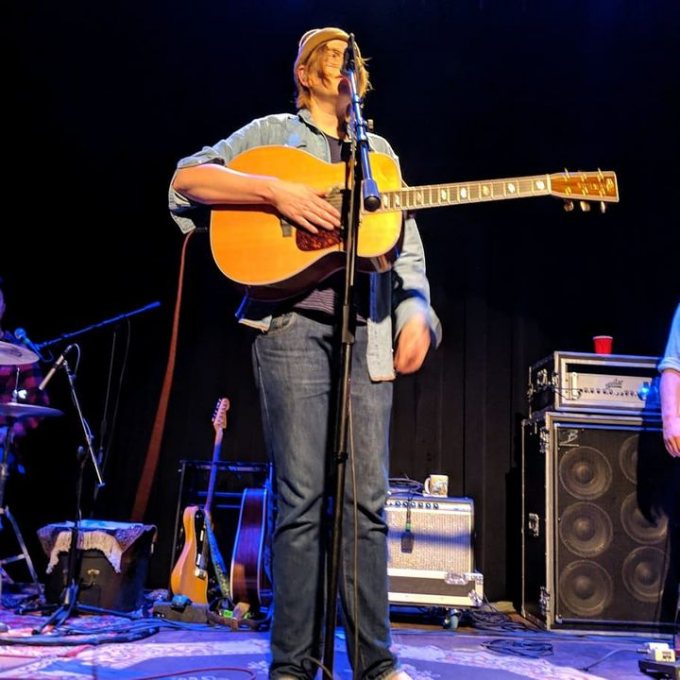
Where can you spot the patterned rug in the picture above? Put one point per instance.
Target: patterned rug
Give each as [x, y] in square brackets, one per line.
[227, 655]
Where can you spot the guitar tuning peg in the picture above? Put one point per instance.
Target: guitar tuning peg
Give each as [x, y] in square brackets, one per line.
[603, 207]
[585, 206]
[568, 206]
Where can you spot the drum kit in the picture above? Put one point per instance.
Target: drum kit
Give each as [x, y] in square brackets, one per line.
[17, 355]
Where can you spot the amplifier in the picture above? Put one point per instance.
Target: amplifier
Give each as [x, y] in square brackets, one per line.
[599, 503]
[600, 383]
[430, 552]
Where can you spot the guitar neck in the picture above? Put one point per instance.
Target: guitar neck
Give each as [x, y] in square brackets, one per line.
[459, 193]
[213, 472]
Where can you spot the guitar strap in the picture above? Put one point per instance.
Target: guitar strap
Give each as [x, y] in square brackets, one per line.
[218, 562]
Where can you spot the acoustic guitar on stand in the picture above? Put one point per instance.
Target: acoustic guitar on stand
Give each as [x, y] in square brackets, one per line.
[250, 583]
[269, 259]
[190, 574]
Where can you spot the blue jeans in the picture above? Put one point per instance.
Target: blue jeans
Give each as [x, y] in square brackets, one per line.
[296, 366]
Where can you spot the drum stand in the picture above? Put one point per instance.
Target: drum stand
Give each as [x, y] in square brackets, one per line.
[4, 512]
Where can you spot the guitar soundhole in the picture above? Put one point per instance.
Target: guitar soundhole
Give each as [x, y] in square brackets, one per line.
[324, 239]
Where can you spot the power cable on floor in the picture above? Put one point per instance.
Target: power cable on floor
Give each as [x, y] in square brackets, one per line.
[532, 650]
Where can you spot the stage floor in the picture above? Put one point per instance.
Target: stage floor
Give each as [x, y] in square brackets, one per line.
[491, 643]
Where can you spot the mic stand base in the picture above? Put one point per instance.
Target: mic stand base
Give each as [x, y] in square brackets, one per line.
[69, 608]
[69, 605]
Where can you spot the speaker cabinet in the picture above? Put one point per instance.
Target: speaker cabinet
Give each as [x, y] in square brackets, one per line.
[430, 551]
[600, 517]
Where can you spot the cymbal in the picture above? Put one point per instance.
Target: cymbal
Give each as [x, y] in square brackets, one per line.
[15, 355]
[15, 409]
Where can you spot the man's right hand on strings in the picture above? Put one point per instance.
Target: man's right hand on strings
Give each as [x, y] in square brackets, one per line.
[304, 206]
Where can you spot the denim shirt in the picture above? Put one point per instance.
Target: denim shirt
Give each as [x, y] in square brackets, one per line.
[671, 358]
[395, 295]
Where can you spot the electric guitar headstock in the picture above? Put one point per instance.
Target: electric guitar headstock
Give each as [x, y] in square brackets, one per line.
[219, 419]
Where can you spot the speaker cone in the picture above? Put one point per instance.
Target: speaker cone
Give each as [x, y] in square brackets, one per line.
[585, 588]
[637, 526]
[586, 529]
[643, 573]
[628, 456]
[585, 473]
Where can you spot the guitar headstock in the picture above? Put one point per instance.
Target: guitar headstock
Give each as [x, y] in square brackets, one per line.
[579, 186]
[220, 416]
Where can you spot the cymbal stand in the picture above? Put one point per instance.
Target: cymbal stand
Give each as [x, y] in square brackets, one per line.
[4, 511]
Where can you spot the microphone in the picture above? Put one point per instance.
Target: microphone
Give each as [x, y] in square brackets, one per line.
[407, 540]
[407, 537]
[55, 367]
[20, 335]
[348, 62]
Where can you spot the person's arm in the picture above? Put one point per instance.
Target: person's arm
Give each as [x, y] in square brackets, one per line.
[416, 325]
[214, 184]
[670, 410]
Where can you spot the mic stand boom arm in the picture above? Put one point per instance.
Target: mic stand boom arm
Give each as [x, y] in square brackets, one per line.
[360, 178]
[106, 322]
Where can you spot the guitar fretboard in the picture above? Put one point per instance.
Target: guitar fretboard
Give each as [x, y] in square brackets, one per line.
[439, 195]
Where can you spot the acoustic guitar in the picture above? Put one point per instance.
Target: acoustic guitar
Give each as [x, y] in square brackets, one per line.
[267, 257]
[249, 580]
[190, 574]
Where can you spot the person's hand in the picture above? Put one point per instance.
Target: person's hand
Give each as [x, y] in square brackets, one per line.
[305, 206]
[412, 345]
[671, 435]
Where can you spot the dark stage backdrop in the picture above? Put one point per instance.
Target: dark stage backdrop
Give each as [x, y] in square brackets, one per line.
[101, 101]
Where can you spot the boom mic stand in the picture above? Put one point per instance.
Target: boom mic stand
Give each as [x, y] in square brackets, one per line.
[69, 599]
[361, 180]
[100, 324]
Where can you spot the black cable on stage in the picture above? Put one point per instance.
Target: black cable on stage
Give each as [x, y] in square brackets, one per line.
[532, 650]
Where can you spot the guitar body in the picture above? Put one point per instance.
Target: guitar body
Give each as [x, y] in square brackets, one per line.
[249, 581]
[189, 575]
[271, 259]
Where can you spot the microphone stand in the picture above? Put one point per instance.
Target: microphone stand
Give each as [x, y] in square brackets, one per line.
[69, 601]
[106, 322]
[361, 180]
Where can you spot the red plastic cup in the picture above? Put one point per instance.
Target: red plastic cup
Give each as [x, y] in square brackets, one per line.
[603, 344]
